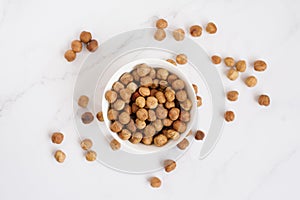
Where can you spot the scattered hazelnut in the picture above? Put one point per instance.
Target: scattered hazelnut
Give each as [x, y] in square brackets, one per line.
[85, 36]
[181, 95]
[60, 156]
[136, 138]
[179, 126]
[158, 125]
[119, 105]
[87, 117]
[140, 124]
[151, 102]
[260, 65]
[92, 46]
[124, 118]
[199, 101]
[140, 102]
[125, 134]
[147, 140]
[83, 101]
[229, 116]
[216, 59]
[100, 116]
[264, 100]
[232, 74]
[240, 66]
[86, 144]
[211, 28]
[151, 116]
[161, 112]
[229, 61]
[232, 95]
[112, 114]
[144, 91]
[76, 46]
[117, 86]
[146, 81]
[170, 165]
[57, 138]
[125, 94]
[131, 126]
[172, 61]
[143, 70]
[111, 96]
[181, 59]
[115, 145]
[132, 87]
[170, 104]
[184, 116]
[174, 114]
[91, 156]
[251, 81]
[160, 140]
[186, 105]
[126, 78]
[149, 131]
[70, 55]
[178, 84]
[155, 182]
[160, 97]
[196, 31]
[199, 135]
[160, 34]
[142, 114]
[161, 23]
[116, 127]
[183, 144]
[179, 34]
[167, 122]
[195, 88]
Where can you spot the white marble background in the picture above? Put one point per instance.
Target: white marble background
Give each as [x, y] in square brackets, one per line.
[258, 156]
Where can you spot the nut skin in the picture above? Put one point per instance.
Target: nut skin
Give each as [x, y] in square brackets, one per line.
[87, 117]
[232, 74]
[57, 138]
[196, 31]
[211, 28]
[100, 116]
[199, 101]
[116, 127]
[264, 100]
[170, 165]
[183, 144]
[251, 81]
[232, 95]
[216, 59]
[160, 140]
[136, 138]
[160, 34]
[76, 46]
[115, 145]
[260, 65]
[83, 101]
[111, 96]
[85, 36]
[60, 156]
[199, 135]
[195, 87]
[229, 116]
[86, 144]
[125, 134]
[91, 156]
[179, 34]
[70, 55]
[155, 182]
[172, 61]
[112, 114]
[174, 114]
[240, 66]
[181, 59]
[229, 61]
[179, 126]
[124, 118]
[161, 24]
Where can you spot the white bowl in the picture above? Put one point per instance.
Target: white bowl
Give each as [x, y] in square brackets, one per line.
[156, 63]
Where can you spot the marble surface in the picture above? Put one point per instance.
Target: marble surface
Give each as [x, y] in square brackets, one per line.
[258, 156]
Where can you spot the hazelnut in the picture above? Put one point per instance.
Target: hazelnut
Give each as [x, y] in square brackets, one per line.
[136, 138]
[125, 94]
[179, 126]
[161, 112]
[155, 83]
[151, 102]
[162, 74]
[126, 78]
[147, 140]
[140, 102]
[170, 104]
[60, 156]
[111, 96]
[181, 95]
[140, 124]
[76, 46]
[116, 127]
[146, 81]
[172, 134]
[171, 78]
[112, 114]
[92, 46]
[144, 91]
[170, 165]
[199, 101]
[135, 75]
[153, 92]
[83, 101]
[91, 156]
[229, 116]
[149, 131]
[211, 28]
[142, 70]
[163, 84]
[232, 74]
[160, 140]
[70, 55]
[57, 138]
[87, 117]
[184, 116]
[183, 144]
[155, 182]
[174, 114]
[160, 97]
[186, 105]
[100, 116]
[195, 88]
[119, 105]
[260, 65]
[229, 61]
[142, 114]
[135, 95]
[161, 23]
[264, 100]
[134, 108]
[178, 84]
[125, 134]
[152, 73]
[117, 86]
[167, 122]
[86, 144]
[170, 95]
[160, 34]
[251, 81]
[240, 66]
[131, 126]
[127, 109]
[199, 135]
[132, 87]
[196, 31]
[124, 118]
[115, 145]
[151, 116]
[216, 59]
[232, 95]
[158, 125]
[179, 34]
[181, 59]
[85, 36]
[172, 61]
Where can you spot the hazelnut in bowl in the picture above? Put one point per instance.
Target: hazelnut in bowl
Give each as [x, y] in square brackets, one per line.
[149, 106]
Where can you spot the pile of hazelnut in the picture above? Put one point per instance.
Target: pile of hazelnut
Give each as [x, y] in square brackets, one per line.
[148, 105]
